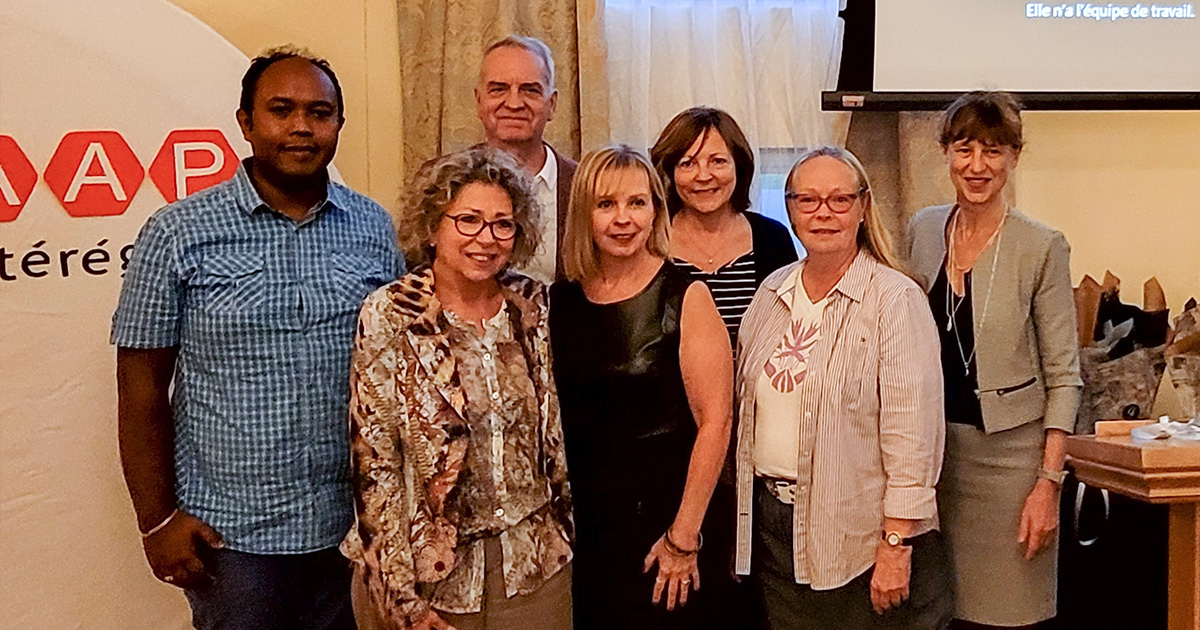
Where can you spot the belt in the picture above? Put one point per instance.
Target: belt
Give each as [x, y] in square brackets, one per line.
[782, 489]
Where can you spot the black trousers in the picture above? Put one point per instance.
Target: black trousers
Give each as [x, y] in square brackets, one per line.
[791, 606]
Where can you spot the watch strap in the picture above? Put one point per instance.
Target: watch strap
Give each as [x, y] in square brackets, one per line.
[1056, 477]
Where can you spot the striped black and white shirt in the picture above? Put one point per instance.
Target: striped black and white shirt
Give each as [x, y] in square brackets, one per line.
[732, 287]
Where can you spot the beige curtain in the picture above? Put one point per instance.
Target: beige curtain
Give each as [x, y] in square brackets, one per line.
[441, 46]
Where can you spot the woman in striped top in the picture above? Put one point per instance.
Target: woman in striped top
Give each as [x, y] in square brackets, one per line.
[707, 166]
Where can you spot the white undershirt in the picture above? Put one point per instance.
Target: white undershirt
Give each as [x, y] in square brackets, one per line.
[779, 387]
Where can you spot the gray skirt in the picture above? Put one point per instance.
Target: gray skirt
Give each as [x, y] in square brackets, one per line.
[985, 481]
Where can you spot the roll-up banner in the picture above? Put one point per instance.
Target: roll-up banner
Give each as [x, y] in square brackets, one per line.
[109, 109]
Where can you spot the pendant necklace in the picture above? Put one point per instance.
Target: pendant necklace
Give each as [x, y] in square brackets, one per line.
[702, 251]
[952, 306]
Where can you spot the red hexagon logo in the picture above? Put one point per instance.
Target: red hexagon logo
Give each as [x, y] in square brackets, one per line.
[191, 160]
[17, 179]
[94, 174]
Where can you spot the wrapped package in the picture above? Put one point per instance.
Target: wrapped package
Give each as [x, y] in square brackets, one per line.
[1122, 353]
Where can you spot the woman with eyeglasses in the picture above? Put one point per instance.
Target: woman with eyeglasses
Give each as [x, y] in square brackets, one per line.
[464, 515]
[840, 429]
[999, 285]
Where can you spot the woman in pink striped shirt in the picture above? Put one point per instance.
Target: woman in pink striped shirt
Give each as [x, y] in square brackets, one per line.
[841, 430]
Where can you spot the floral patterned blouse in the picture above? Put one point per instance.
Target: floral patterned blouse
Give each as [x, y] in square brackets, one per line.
[456, 438]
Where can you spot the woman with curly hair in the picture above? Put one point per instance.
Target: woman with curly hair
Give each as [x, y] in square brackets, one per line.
[464, 515]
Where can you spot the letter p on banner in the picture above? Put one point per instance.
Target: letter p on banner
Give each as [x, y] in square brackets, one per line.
[17, 179]
[191, 160]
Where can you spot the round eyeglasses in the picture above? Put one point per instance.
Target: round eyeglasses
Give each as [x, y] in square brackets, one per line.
[473, 225]
[809, 203]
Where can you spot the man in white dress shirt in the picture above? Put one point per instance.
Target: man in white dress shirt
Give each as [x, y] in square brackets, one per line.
[514, 99]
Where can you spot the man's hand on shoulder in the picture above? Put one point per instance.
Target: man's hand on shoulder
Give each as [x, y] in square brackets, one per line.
[177, 552]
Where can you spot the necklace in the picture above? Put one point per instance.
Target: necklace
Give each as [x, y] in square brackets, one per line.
[952, 304]
[705, 253]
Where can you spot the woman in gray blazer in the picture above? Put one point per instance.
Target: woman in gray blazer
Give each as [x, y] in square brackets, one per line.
[999, 285]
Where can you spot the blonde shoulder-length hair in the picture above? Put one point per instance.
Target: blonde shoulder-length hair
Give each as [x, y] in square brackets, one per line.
[872, 235]
[579, 256]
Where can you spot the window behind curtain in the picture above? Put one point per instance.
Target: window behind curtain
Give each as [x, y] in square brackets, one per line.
[763, 61]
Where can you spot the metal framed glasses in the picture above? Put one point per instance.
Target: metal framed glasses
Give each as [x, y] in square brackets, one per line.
[808, 203]
[473, 225]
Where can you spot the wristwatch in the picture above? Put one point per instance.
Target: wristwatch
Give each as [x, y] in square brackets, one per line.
[1055, 477]
[895, 539]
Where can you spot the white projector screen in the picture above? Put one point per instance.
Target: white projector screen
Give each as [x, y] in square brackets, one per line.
[1051, 46]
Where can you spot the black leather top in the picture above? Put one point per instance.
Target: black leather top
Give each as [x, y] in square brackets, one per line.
[617, 365]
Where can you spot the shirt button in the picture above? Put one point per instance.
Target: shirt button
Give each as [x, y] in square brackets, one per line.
[487, 356]
[499, 512]
[807, 414]
[495, 395]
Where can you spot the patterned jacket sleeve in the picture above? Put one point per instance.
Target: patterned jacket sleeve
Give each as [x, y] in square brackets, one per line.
[383, 480]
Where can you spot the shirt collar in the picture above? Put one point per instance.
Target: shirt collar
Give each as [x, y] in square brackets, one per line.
[853, 283]
[549, 172]
[787, 290]
[249, 201]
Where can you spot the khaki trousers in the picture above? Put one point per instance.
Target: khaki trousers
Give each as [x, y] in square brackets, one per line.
[548, 608]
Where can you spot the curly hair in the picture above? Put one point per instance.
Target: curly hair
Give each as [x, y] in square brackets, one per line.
[438, 184]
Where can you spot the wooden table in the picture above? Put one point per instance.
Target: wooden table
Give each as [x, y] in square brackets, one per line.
[1157, 473]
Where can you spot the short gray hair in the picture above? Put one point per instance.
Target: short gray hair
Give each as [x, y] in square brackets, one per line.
[531, 45]
[439, 183]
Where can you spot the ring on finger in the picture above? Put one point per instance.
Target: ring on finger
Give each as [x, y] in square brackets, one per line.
[170, 579]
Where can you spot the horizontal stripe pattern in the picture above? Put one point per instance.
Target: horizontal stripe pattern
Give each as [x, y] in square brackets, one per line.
[732, 286]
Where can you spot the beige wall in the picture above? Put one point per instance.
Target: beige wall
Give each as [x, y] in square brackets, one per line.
[360, 39]
[1122, 187]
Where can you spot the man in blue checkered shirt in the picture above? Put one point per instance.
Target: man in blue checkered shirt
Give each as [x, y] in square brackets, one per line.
[234, 332]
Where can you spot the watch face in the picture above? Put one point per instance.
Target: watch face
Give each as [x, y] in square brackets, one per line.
[894, 539]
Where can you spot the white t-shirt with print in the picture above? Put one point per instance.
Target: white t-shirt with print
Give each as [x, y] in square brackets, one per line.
[777, 398]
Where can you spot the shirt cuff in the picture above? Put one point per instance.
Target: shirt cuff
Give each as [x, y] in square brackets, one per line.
[142, 339]
[916, 504]
[1062, 406]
